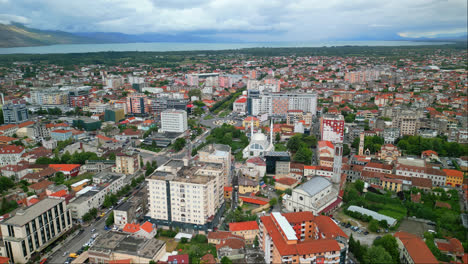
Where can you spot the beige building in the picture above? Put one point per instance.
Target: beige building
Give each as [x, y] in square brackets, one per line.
[115, 246]
[127, 164]
[217, 153]
[248, 230]
[408, 124]
[34, 228]
[186, 196]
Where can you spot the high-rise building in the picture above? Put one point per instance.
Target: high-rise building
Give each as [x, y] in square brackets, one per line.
[136, 104]
[127, 164]
[174, 121]
[279, 104]
[301, 237]
[15, 113]
[217, 153]
[114, 115]
[188, 197]
[34, 228]
[332, 128]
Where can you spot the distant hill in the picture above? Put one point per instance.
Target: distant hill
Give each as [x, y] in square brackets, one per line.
[17, 35]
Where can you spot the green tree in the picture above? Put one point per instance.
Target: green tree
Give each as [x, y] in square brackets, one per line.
[273, 201]
[110, 219]
[6, 183]
[389, 243]
[377, 254]
[346, 150]
[226, 260]
[303, 155]
[373, 225]
[179, 144]
[277, 137]
[359, 185]
[294, 143]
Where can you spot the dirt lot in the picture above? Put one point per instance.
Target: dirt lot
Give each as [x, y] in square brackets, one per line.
[413, 227]
[171, 244]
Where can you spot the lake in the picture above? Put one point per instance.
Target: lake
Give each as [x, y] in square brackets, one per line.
[170, 46]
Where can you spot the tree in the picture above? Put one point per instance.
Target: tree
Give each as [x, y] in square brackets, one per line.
[373, 225]
[346, 150]
[277, 137]
[303, 155]
[389, 243]
[110, 219]
[109, 200]
[377, 254]
[294, 143]
[179, 144]
[288, 191]
[273, 201]
[59, 178]
[226, 260]
[6, 183]
[359, 185]
[194, 92]
[256, 243]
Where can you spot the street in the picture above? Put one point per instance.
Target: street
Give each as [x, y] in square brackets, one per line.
[77, 243]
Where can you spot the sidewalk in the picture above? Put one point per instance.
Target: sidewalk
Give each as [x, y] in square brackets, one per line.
[59, 246]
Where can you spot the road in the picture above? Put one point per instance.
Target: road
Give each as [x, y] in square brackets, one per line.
[77, 243]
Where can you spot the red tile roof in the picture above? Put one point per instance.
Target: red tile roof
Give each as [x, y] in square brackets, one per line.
[329, 228]
[453, 173]
[11, 149]
[299, 217]
[131, 228]
[179, 259]
[120, 261]
[147, 226]
[253, 201]
[240, 226]
[61, 193]
[416, 248]
[286, 181]
[64, 167]
[40, 185]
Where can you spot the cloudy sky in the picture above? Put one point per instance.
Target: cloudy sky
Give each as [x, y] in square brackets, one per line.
[253, 20]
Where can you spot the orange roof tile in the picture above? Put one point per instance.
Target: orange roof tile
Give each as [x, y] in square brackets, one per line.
[147, 226]
[64, 167]
[240, 226]
[416, 248]
[453, 173]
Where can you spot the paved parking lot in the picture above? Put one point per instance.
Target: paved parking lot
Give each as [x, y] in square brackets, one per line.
[414, 227]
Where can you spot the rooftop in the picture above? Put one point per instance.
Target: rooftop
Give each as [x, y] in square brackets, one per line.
[391, 221]
[118, 242]
[25, 216]
[315, 185]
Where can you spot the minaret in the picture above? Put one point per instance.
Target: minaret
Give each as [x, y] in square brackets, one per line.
[271, 133]
[251, 128]
[361, 144]
[337, 162]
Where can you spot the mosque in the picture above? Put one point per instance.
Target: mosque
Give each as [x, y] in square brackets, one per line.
[259, 143]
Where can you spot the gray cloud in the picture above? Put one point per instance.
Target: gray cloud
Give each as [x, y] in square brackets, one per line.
[295, 20]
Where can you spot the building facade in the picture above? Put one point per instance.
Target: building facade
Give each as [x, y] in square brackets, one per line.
[34, 228]
[15, 113]
[174, 121]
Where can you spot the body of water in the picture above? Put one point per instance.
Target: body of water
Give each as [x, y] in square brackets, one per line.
[169, 46]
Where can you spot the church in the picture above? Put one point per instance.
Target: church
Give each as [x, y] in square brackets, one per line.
[259, 143]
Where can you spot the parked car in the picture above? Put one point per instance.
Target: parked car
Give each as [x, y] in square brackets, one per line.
[93, 230]
[366, 233]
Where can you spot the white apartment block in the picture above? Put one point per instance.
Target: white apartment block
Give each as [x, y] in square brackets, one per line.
[127, 164]
[10, 154]
[32, 229]
[187, 196]
[174, 121]
[217, 153]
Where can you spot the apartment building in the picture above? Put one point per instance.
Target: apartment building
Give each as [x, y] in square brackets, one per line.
[127, 164]
[301, 237]
[280, 103]
[136, 104]
[32, 229]
[411, 167]
[188, 197]
[218, 153]
[10, 154]
[174, 121]
[408, 124]
[332, 128]
[93, 196]
[15, 113]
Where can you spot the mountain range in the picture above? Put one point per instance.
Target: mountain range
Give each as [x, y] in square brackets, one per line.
[18, 35]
